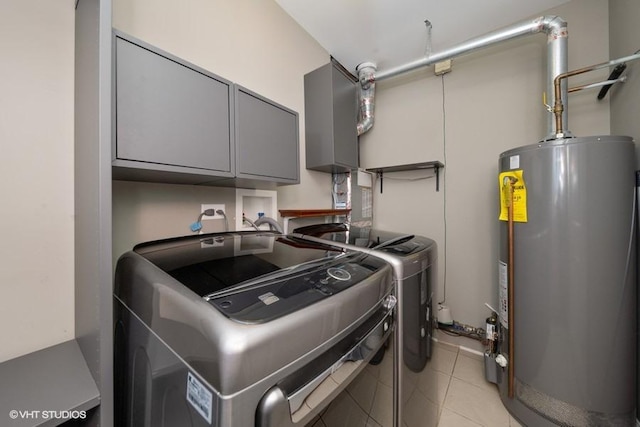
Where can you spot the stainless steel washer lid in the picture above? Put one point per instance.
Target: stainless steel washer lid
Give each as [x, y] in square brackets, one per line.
[264, 277]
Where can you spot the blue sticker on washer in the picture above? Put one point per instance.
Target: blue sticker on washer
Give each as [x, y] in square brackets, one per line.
[200, 398]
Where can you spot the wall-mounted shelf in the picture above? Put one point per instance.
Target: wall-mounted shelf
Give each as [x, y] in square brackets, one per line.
[435, 165]
[53, 379]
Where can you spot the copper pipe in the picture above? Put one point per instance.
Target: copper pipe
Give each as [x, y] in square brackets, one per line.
[598, 84]
[510, 292]
[558, 106]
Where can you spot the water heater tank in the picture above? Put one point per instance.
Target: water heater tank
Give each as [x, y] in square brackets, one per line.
[573, 297]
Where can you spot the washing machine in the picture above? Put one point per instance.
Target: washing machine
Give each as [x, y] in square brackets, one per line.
[243, 329]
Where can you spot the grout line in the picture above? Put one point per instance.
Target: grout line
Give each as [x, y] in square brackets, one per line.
[455, 362]
[465, 417]
[475, 386]
[446, 394]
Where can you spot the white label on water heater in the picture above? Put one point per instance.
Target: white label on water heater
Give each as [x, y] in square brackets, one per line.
[199, 397]
[503, 294]
[514, 162]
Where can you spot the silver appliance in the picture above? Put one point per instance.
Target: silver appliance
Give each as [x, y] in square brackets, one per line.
[414, 262]
[243, 329]
[570, 337]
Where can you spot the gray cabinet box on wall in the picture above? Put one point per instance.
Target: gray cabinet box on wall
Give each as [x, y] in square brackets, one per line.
[172, 118]
[178, 123]
[330, 107]
[266, 139]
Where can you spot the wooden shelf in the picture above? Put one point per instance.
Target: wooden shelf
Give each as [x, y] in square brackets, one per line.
[307, 213]
[435, 165]
[289, 214]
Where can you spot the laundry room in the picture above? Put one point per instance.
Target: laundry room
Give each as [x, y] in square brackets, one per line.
[468, 253]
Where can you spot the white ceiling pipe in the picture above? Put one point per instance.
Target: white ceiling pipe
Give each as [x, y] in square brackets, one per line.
[557, 42]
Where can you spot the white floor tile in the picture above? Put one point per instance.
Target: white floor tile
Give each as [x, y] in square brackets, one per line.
[471, 370]
[443, 359]
[363, 389]
[385, 368]
[471, 353]
[452, 387]
[434, 384]
[373, 369]
[344, 412]
[476, 404]
[382, 410]
[451, 419]
[419, 411]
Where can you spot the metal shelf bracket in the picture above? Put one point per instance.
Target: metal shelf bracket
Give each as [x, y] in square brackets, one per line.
[435, 165]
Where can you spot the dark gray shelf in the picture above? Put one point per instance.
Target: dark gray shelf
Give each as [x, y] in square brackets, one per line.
[435, 165]
[53, 379]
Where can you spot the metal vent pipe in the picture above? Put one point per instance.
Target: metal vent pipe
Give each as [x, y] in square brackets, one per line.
[366, 74]
[557, 42]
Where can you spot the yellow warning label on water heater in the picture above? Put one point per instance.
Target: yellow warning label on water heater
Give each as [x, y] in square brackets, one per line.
[507, 180]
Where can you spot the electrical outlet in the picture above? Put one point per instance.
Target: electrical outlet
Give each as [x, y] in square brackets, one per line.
[216, 208]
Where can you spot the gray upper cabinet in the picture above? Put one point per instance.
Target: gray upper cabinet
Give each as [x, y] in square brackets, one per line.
[173, 120]
[266, 139]
[330, 106]
[178, 123]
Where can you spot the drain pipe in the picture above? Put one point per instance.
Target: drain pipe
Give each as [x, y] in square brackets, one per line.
[557, 42]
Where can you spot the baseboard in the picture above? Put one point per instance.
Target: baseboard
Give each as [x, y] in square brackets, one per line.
[461, 348]
[477, 353]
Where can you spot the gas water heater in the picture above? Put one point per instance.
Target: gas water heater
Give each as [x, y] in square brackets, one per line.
[567, 287]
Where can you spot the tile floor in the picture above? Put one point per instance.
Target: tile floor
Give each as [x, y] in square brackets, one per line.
[461, 398]
[470, 400]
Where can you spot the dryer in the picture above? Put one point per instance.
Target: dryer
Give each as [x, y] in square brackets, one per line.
[414, 262]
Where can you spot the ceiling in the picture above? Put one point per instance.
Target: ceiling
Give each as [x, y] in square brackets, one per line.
[393, 32]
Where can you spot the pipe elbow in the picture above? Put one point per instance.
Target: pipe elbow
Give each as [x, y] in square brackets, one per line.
[555, 22]
[553, 26]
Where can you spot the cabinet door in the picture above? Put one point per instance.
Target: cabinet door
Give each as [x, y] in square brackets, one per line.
[330, 120]
[345, 119]
[266, 139]
[169, 112]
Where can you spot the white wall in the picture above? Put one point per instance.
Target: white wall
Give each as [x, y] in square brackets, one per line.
[625, 40]
[491, 102]
[254, 44]
[36, 175]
